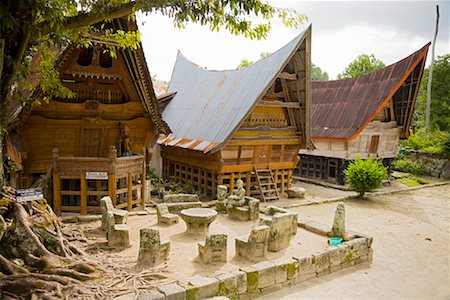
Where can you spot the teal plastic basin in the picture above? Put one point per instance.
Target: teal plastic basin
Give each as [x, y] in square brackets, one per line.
[334, 241]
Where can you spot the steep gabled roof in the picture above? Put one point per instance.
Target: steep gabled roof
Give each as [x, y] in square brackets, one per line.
[209, 105]
[137, 68]
[341, 109]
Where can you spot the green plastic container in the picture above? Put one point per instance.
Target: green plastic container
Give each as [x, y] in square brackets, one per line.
[334, 241]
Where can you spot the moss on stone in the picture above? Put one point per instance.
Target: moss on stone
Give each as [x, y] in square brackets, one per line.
[252, 281]
[291, 270]
[191, 292]
[222, 289]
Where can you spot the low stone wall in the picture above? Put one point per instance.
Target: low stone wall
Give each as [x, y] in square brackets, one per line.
[268, 276]
[436, 165]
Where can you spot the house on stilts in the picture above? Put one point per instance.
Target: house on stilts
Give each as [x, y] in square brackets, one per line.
[99, 142]
[363, 116]
[244, 124]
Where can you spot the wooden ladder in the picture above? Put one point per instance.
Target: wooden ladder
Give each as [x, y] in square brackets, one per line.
[267, 185]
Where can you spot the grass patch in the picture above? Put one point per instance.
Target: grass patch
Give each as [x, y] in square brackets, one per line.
[413, 181]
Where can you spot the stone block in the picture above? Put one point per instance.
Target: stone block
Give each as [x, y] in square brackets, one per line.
[296, 192]
[152, 251]
[359, 246]
[119, 236]
[239, 213]
[228, 284]
[175, 208]
[152, 295]
[171, 198]
[252, 278]
[306, 269]
[218, 298]
[337, 255]
[200, 287]
[253, 246]
[266, 274]
[287, 268]
[316, 227]
[321, 262]
[173, 291]
[271, 289]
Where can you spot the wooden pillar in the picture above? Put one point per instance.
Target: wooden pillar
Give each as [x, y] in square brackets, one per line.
[205, 181]
[56, 183]
[248, 182]
[289, 178]
[112, 179]
[129, 191]
[231, 182]
[144, 191]
[83, 196]
[282, 181]
[214, 178]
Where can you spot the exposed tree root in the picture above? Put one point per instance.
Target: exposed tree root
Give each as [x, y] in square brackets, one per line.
[36, 258]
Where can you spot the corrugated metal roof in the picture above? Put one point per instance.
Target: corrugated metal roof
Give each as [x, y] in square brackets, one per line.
[340, 109]
[210, 104]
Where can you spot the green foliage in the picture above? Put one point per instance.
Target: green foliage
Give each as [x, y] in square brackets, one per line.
[365, 175]
[179, 188]
[317, 73]
[363, 64]
[408, 165]
[440, 96]
[435, 142]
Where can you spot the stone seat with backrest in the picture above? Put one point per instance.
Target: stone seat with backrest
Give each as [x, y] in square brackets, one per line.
[152, 251]
[117, 234]
[164, 216]
[120, 215]
[254, 246]
[213, 249]
[283, 225]
[248, 212]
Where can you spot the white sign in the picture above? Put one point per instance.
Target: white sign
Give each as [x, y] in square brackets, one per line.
[26, 195]
[97, 175]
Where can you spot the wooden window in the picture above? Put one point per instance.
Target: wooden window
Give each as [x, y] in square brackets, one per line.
[373, 148]
[85, 57]
[105, 60]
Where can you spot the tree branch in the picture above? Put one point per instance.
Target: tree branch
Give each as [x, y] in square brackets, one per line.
[90, 18]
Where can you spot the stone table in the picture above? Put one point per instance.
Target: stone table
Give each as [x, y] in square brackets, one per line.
[198, 219]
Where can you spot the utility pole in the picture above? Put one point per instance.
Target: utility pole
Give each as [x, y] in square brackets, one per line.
[430, 75]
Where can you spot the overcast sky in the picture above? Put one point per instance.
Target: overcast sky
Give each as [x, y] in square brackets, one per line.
[341, 30]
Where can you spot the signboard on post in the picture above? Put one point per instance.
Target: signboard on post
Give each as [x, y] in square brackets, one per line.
[25, 195]
[97, 175]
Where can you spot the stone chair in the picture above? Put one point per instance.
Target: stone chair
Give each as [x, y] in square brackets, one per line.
[248, 212]
[283, 225]
[254, 246]
[118, 235]
[120, 215]
[152, 251]
[213, 249]
[164, 216]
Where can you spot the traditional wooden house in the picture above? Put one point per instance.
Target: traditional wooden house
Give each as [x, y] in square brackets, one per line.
[363, 116]
[96, 143]
[239, 124]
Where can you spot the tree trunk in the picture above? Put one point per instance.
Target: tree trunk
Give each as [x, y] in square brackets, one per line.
[2, 169]
[430, 75]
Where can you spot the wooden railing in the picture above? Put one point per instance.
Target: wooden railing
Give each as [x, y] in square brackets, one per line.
[126, 177]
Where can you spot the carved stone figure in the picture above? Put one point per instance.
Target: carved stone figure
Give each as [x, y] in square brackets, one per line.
[338, 229]
[221, 198]
[125, 140]
[237, 198]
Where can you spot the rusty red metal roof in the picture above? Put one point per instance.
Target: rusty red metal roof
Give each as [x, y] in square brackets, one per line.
[341, 109]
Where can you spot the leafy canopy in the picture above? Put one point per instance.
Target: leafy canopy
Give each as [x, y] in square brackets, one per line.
[363, 64]
[440, 96]
[317, 73]
[365, 175]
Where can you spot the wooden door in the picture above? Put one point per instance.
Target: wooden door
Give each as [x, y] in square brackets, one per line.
[261, 154]
[92, 142]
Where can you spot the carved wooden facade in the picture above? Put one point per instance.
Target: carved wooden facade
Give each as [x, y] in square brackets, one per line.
[230, 125]
[111, 93]
[364, 116]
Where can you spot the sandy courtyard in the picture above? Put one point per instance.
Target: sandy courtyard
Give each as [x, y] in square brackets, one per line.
[411, 249]
[183, 261]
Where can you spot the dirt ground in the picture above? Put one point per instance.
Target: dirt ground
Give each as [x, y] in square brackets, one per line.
[411, 258]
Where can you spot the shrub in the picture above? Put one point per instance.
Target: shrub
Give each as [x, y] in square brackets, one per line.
[365, 175]
[409, 165]
[435, 142]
